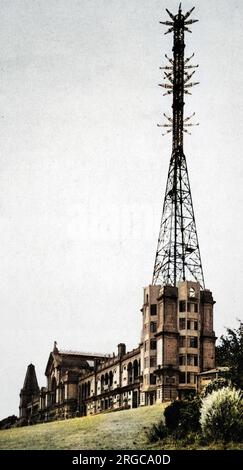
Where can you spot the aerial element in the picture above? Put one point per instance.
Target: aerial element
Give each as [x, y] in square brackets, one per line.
[178, 255]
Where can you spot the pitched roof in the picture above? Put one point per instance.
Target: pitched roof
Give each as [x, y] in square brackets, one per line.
[213, 371]
[83, 354]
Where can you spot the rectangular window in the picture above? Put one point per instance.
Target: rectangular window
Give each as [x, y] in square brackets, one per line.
[188, 324]
[192, 307]
[192, 360]
[182, 305]
[152, 379]
[153, 361]
[182, 323]
[182, 377]
[153, 309]
[192, 342]
[169, 380]
[182, 341]
[182, 360]
[191, 378]
[153, 327]
[195, 325]
[153, 344]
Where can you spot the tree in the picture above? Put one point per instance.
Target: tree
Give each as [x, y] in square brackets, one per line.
[230, 353]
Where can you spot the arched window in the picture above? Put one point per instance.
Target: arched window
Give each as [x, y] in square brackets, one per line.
[110, 378]
[129, 373]
[192, 292]
[135, 369]
[102, 382]
[53, 390]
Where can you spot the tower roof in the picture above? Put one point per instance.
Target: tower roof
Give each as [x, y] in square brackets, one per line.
[30, 381]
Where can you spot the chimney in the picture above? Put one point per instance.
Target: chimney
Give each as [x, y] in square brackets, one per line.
[121, 349]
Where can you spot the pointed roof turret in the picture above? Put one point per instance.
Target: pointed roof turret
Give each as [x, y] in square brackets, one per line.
[30, 381]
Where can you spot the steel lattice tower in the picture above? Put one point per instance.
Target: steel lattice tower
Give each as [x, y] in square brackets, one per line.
[178, 255]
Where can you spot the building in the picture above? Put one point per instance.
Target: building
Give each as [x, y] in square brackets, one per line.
[177, 341]
[177, 344]
[29, 396]
[213, 374]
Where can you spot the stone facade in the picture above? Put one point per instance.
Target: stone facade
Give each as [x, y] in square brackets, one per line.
[177, 346]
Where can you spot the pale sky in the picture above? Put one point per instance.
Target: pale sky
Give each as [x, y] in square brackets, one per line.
[83, 169]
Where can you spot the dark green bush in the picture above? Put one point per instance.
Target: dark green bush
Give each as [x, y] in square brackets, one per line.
[172, 414]
[157, 432]
[182, 416]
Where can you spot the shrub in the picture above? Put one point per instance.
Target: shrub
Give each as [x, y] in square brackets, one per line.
[172, 414]
[190, 415]
[214, 385]
[157, 432]
[182, 417]
[6, 423]
[222, 415]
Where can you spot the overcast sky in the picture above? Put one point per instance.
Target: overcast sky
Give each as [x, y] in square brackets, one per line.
[83, 169]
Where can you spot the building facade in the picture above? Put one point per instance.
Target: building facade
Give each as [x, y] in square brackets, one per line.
[177, 345]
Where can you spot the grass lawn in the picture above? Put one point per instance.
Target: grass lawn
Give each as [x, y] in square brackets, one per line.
[118, 430]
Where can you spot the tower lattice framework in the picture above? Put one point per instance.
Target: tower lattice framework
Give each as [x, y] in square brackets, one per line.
[178, 256]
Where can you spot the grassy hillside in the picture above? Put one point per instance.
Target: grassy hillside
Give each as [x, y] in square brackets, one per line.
[119, 430]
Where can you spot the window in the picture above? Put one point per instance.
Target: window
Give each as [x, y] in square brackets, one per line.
[192, 360]
[192, 307]
[182, 360]
[153, 309]
[191, 378]
[182, 305]
[182, 323]
[192, 325]
[182, 341]
[147, 298]
[153, 361]
[152, 379]
[182, 377]
[153, 327]
[153, 344]
[169, 380]
[192, 342]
